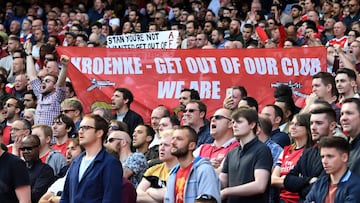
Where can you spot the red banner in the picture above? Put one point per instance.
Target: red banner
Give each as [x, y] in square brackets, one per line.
[157, 76]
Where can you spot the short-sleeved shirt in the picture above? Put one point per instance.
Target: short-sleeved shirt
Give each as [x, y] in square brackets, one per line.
[157, 175]
[240, 164]
[13, 174]
[138, 164]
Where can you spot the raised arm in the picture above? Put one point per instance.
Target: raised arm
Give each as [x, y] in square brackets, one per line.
[64, 60]
[30, 65]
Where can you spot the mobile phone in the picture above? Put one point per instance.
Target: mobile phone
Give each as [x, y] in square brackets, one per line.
[229, 92]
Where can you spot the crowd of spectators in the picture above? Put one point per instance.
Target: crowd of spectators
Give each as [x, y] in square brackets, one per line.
[280, 153]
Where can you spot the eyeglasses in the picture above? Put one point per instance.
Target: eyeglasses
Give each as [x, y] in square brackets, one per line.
[110, 140]
[67, 111]
[15, 129]
[10, 105]
[219, 117]
[86, 127]
[47, 81]
[205, 197]
[157, 18]
[114, 127]
[28, 148]
[352, 5]
[191, 110]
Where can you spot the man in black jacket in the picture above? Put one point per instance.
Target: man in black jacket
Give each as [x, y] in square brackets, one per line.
[121, 100]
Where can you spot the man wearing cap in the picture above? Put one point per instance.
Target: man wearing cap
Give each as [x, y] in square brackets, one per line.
[110, 18]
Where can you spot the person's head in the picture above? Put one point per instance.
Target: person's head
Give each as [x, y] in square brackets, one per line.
[220, 123]
[217, 35]
[19, 129]
[339, 29]
[165, 146]
[248, 30]
[186, 95]
[249, 102]
[296, 11]
[201, 40]
[183, 141]
[45, 134]
[30, 148]
[334, 152]
[299, 128]
[69, 90]
[128, 27]
[62, 126]
[115, 125]
[103, 112]
[21, 82]
[238, 93]
[122, 98]
[289, 43]
[29, 115]
[18, 65]
[48, 84]
[168, 122]
[244, 122]
[72, 108]
[264, 126]
[12, 107]
[73, 149]
[92, 130]
[191, 28]
[96, 28]
[353, 7]
[323, 85]
[29, 99]
[13, 44]
[194, 113]
[350, 117]
[322, 122]
[143, 135]
[345, 80]
[274, 113]
[156, 115]
[117, 140]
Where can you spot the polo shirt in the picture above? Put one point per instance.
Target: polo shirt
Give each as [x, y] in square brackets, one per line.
[240, 164]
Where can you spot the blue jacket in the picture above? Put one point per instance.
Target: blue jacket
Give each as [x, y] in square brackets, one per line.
[101, 182]
[202, 179]
[348, 189]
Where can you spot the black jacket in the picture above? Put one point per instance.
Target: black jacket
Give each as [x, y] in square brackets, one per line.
[308, 166]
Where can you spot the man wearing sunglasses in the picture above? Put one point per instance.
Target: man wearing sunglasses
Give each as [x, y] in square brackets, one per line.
[13, 173]
[224, 140]
[194, 116]
[50, 91]
[41, 175]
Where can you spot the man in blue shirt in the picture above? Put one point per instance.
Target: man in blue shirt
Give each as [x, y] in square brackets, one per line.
[94, 176]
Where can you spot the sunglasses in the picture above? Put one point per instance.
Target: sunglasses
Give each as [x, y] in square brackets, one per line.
[190, 110]
[28, 148]
[219, 117]
[67, 111]
[110, 140]
[114, 127]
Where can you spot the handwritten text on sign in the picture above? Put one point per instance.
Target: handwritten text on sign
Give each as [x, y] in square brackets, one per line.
[149, 40]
